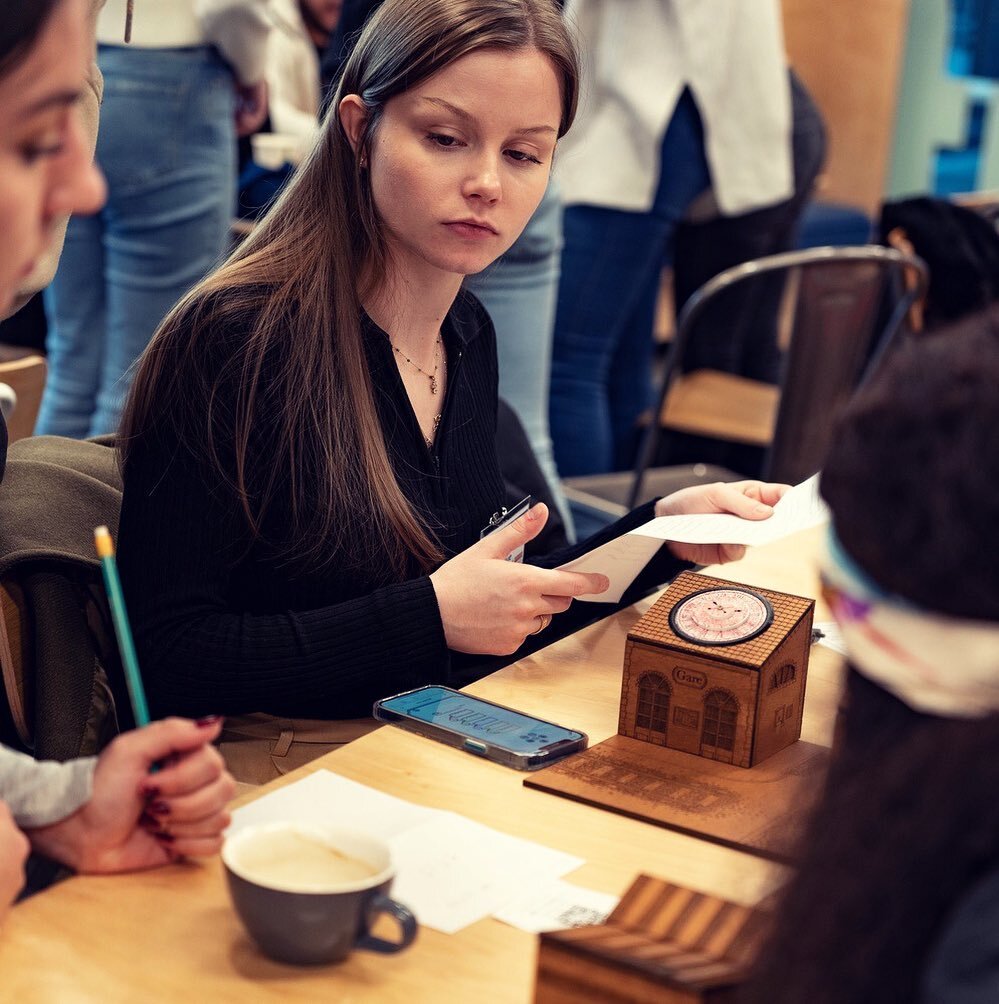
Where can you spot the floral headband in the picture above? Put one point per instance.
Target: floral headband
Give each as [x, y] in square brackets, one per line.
[936, 664]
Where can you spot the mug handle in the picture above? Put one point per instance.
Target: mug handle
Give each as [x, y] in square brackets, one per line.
[405, 919]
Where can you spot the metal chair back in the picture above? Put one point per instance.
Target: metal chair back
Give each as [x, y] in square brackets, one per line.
[840, 295]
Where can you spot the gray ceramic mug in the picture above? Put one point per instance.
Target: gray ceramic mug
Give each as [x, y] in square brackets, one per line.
[309, 919]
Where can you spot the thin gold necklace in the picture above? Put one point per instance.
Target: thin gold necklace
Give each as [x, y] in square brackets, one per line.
[437, 418]
[432, 377]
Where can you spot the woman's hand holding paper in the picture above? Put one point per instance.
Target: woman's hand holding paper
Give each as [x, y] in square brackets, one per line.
[489, 605]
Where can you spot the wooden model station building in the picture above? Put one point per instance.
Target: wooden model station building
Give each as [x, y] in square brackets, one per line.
[718, 669]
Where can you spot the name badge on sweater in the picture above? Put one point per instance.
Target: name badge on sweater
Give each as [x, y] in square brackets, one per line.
[503, 518]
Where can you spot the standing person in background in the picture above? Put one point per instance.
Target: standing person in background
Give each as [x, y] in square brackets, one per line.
[174, 99]
[519, 292]
[684, 95]
[301, 33]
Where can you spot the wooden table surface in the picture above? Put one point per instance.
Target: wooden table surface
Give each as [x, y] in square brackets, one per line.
[170, 934]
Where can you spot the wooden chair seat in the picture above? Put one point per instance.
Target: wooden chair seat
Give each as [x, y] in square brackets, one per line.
[841, 308]
[14, 639]
[722, 406]
[27, 377]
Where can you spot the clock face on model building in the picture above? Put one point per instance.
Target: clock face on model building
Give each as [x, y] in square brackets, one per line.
[720, 616]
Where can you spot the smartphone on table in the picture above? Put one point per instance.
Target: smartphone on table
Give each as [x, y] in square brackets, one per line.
[481, 727]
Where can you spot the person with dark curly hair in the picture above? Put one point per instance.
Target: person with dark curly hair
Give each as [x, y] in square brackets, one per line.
[897, 894]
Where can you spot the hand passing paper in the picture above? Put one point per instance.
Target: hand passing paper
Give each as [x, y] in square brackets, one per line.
[800, 508]
[622, 559]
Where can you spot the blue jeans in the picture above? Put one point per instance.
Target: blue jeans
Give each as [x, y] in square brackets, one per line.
[519, 292]
[167, 147]
[602, 351]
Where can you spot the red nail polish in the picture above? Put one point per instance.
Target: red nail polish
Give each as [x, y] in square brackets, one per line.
[150, 791]
[208, 720]
[159, 808]
[167, 838]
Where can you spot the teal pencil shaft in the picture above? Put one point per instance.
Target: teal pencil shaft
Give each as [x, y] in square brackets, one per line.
[126, 646]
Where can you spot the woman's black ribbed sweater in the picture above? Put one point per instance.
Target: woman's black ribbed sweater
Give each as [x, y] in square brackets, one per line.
[222, 628]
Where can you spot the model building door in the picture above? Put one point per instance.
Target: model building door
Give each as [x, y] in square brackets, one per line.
[721, 715]
[653, 708]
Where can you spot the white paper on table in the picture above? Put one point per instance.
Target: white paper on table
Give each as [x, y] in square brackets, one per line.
[450, 871]
[325, 799]
[623, 558]
[556, 906]
[832, 637]
[453, 871]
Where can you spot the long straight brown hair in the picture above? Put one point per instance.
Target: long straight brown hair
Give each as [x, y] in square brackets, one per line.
[300, 371]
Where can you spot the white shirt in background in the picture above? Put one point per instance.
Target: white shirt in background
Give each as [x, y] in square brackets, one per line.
[237, 28]
[292, 74]
[637, 57]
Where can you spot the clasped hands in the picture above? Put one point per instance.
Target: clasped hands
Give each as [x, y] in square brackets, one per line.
[488, 605]
[134, 819]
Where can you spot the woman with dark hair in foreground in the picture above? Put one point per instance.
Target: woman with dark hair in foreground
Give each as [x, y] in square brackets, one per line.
[98, 814]
[897, 896]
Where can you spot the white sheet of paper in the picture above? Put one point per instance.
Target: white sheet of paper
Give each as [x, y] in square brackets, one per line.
[326, 799]
[453, 871]
[450, 871]
[802, 507]
[620, 560]
[556, 906]
[832, 637]
[623, 558]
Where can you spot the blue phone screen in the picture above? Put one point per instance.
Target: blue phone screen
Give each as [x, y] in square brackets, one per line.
[478, 719]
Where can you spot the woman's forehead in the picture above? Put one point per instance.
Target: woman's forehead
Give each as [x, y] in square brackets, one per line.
[520, 85]
[56, 64]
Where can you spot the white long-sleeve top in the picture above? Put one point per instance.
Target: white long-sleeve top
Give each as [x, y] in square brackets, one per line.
[43, 792]
[292, 73]
[237, 28]
[637, 57]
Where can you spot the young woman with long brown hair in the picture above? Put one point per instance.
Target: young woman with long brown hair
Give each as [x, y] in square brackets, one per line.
[309, 447]
[897, 897]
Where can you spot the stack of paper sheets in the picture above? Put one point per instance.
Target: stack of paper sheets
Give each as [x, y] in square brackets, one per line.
[450, 871]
